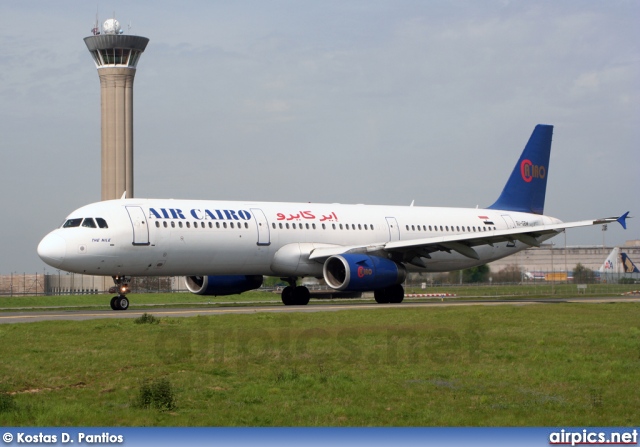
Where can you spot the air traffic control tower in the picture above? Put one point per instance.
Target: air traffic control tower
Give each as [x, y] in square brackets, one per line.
[116, 56]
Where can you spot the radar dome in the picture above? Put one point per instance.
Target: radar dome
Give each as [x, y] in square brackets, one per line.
[111, 26]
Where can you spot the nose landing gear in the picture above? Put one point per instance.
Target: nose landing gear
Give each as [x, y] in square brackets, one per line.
[121, 302]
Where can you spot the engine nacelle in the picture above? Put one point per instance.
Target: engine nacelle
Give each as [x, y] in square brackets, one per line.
[222, 285]
[360, 272]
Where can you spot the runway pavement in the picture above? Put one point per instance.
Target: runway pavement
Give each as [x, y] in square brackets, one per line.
[26, 316]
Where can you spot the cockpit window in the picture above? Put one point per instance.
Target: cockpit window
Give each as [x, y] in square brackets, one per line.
[88, 222]
[101, 222]
[70, 223]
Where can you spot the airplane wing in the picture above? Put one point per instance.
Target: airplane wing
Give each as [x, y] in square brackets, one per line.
[464, 244]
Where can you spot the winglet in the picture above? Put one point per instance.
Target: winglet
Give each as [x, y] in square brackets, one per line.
[622, 220]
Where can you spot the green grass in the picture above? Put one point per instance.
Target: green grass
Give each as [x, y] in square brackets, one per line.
[543, 364]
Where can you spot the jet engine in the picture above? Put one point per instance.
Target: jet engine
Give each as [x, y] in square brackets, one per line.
[222, 285]
[359, 272]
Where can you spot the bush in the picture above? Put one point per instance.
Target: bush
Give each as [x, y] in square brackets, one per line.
[157, 394]
[583, 275]
[146, 318]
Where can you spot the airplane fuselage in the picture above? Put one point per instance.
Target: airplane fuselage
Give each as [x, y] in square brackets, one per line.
[149, 237]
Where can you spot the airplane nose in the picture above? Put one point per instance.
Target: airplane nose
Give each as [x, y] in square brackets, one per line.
[52, 250]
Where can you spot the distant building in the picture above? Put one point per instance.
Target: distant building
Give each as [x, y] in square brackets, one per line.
[552, 258]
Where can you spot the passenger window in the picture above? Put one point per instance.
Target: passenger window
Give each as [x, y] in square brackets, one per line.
[273, 225]
[281, 225]
[313, 226]
[210, 225]
[71, 223]
[180, 224]
[341, 226]
[217, 224]
[224, 225]
[188, 224]
[334, 226]
[164, 224]
[246, 225]
[101, 222]
[173, 224]
[365, 227]
[157, 224]
[286, 226]
[88, 223]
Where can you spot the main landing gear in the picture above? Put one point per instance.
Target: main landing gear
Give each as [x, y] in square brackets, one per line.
[121, 302]
[293, 295]
[392, 294]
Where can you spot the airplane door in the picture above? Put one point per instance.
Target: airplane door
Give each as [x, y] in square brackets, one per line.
[509, 221]
[140, 226]
[264, 235]
[394, 229]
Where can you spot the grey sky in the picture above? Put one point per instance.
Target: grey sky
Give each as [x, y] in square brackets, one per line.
[379, 102]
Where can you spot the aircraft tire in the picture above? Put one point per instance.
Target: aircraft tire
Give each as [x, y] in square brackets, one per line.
[395, 294]
[114, 305]
[287, 296]
[301, 296]
[122, 303]
[381, 296]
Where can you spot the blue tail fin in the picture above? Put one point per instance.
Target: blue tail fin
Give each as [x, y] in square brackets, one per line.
[526, 188]
[628, 265]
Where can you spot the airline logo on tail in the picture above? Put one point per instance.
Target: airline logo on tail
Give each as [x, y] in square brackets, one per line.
[628, 265]
[529, 171]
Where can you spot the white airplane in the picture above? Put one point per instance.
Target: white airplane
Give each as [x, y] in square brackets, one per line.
[225, 247]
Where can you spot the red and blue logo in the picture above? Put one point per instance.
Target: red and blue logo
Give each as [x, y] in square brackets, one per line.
[363, 271]
[529, 171]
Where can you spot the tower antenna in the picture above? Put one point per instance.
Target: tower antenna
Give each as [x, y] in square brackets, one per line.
[96, 27]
